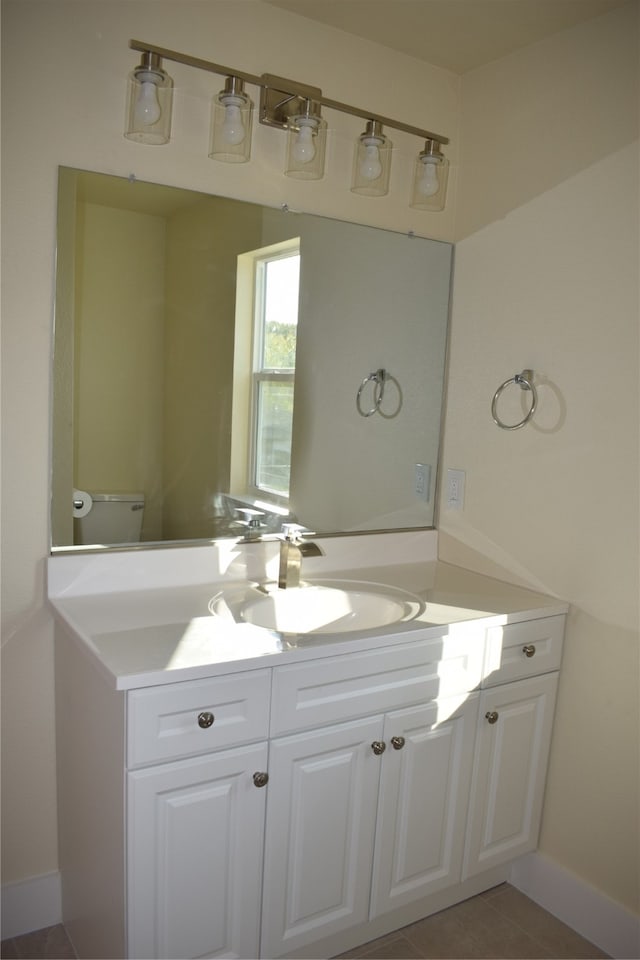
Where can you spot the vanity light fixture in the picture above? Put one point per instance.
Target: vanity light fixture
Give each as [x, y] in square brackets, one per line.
[149, 101]
[372, 162]
[295, 107]
[231, 116]
[430, 178]
[286, 105]
[306, 143]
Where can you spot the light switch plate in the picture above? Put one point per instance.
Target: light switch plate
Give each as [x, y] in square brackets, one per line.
[422, 481]
[455, 489]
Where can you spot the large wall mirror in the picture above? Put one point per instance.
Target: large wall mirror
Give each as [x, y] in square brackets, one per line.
[219, 362]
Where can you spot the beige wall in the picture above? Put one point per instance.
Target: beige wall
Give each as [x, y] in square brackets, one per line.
[62, 419]
[547, 277]
[395, 299]
[204, 242]
[70, 111]
[118, 356]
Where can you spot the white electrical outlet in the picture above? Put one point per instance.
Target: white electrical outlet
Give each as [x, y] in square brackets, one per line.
[455, 489]
[422, 481]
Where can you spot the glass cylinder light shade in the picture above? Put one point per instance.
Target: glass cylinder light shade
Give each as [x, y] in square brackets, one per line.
[307, 144]
[150, 95]
[430, 178]
[231, 116]
[372, 162]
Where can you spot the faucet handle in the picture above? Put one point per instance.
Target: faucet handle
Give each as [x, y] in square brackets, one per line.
[252, 520]
[295, 531]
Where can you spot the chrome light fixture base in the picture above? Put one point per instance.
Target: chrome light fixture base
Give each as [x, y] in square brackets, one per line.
[282, 99]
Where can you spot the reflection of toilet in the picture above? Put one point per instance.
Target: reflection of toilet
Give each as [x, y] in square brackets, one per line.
[113, 518]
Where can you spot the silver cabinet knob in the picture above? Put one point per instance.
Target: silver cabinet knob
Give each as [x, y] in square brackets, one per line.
[529, 650]
[397, 743]
[261, 779]
[491, 716]
[205, 719]
[378, 747]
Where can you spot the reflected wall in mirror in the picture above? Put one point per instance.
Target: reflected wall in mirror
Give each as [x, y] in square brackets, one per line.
[190, 383]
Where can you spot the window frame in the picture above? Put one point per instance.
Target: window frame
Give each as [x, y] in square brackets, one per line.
[249, 371]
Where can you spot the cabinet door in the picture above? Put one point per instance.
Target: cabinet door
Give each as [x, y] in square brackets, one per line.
[512, 750]
[323, 788]
[195, 856]
[423, 801]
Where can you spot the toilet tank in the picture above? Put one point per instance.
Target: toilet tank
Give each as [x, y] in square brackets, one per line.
[113, 518]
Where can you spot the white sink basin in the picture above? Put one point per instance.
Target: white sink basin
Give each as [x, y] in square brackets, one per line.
[323, 607]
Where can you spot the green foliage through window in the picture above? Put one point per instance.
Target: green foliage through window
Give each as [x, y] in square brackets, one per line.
[280, 346]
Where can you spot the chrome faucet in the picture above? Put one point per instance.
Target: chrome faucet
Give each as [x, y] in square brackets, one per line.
[292, 549]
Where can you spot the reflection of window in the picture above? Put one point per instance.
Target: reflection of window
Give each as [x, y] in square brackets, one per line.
[276, 278]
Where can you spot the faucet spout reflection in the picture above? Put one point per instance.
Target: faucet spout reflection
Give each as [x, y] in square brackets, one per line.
[292, 549]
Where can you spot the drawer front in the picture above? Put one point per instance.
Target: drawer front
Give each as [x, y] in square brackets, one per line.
[520, 650]
[358, 684]
[185, 719]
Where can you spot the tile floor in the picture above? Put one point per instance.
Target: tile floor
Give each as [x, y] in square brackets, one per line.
[499, 923]
[47, 944]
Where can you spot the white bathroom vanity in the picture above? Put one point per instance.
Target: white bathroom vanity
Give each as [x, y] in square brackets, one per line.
[228, 791]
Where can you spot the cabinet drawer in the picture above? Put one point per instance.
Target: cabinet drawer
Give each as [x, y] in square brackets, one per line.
[354, 685]
[165, 723]
[520, 650]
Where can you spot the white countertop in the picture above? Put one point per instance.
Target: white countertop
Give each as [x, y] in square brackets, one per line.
[149, 635]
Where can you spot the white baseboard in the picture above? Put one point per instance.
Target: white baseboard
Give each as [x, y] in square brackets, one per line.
[31, 905]
[36, 903]
[586, 910]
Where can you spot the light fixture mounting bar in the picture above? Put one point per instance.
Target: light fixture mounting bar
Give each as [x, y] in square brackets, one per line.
[385, 121]
[196, 62]
[276, 91]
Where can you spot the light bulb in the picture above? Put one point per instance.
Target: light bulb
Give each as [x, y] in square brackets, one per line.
[147, 109]
[370, 166]
[371, 162]
[303, 150]
[428, 184]
[232, 129]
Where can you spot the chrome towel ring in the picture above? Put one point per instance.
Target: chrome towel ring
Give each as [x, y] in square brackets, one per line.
[525, 382]
[379, 378]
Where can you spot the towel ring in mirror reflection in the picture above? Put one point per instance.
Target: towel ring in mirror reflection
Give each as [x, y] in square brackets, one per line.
[525, 382]
[379, 378]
